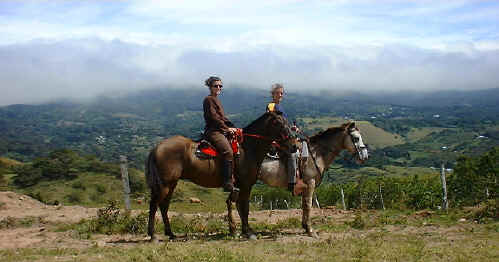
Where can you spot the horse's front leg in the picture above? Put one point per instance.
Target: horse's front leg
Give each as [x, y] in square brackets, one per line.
[243, 209]
[306, 205]
[230, 216]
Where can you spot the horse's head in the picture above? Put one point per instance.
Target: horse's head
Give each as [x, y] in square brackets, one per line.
[279, 131]
[353, 142]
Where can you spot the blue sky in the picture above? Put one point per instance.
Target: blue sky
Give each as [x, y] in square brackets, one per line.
[51, 49]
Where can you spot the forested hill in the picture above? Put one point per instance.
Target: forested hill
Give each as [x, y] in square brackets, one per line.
[132, 123]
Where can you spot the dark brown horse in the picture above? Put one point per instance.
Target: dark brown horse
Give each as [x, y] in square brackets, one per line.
[174, 158]
[323, 149]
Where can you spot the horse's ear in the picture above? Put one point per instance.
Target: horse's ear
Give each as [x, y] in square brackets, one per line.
[348, 126]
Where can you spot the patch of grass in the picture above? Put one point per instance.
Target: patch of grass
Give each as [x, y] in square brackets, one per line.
[12, 222]
[289, 223]
[485, 213]
[359, 222]
[457, 243]
[109, 220]
[75, 197]
[78, 185]
[101, 188]
[418, 133]
[198, 225]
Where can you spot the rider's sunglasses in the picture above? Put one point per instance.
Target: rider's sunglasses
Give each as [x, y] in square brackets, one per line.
[217, 86]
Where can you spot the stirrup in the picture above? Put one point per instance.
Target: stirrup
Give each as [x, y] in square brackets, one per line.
[230, 188]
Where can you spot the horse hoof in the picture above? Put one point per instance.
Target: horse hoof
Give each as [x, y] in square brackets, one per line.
[153, 240]
[234, 196]
[252, 237]
[313, 235]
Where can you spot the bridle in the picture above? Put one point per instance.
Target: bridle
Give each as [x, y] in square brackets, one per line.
[277, 143]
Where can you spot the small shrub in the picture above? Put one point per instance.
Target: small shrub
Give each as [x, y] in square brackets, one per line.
[109, 221]
[391, 220]
[485, 212]
[38, 196]
[101, 188]
[78, 185]
[137, 224]
[359, 222]
[75, 197]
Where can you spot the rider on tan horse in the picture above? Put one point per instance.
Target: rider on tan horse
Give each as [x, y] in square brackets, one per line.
[217, 128]
[277, 91]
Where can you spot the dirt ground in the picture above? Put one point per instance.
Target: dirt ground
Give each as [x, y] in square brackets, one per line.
[39, 234]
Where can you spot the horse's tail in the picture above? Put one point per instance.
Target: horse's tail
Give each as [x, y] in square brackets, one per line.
[152, 177]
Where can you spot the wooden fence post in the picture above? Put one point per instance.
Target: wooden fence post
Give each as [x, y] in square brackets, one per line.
[445, 204]
[317, 202]
[343, 199]
[287, 204]
[126, 183]
[381, 197]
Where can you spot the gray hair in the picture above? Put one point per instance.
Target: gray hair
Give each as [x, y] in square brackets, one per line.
[276, 86]
[208, 82]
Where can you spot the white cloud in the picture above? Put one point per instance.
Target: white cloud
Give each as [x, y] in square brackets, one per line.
[364, 44]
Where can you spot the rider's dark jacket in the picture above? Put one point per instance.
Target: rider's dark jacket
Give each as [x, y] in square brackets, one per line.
[214, 116]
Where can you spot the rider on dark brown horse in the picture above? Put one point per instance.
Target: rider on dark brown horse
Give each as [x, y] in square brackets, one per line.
[216, 129]
[277, 91]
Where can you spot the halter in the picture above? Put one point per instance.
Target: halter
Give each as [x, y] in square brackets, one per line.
[358, 144]
[355, 142]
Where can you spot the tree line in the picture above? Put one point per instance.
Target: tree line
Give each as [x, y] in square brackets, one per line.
[473, 181]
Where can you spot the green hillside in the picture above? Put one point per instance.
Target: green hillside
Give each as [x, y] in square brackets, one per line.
[398, 132]
[374, 136]
[65, 177]
[418, 133]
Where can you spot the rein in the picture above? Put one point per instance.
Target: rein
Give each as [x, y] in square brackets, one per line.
[307, 138]
[263, 138]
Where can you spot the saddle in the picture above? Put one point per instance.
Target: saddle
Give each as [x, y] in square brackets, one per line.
[205, 150]
[303, 154]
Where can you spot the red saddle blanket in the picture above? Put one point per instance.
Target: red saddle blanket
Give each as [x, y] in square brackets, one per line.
[206, 150]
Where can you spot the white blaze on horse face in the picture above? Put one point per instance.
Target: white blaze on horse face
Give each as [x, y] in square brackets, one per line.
[359, 144]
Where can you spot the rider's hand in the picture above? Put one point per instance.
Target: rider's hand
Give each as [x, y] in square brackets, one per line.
[232, 130]
[295, 128]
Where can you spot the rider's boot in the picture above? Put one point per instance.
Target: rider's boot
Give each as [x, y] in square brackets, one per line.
[227, 176]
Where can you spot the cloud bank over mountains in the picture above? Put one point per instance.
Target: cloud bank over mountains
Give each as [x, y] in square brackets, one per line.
[72, 49]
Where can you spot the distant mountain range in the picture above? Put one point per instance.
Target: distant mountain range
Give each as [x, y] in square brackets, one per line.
[132, 123]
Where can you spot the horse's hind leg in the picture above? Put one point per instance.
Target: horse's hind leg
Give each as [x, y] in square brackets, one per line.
[153, 207]
[164, 205]
[307, 208]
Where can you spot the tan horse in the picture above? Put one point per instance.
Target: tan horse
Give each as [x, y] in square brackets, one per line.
[174, 158]
[323, 149]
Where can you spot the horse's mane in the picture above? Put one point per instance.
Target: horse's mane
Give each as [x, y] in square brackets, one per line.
[255, 123]
[327, 133]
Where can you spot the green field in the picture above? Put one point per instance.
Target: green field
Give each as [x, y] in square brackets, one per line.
[418, 133]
